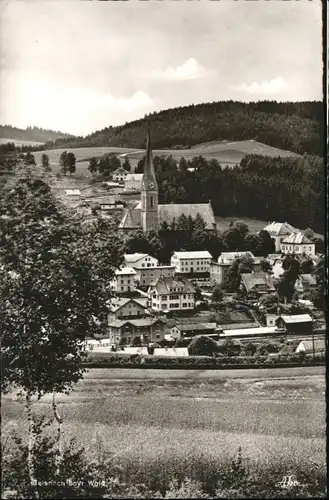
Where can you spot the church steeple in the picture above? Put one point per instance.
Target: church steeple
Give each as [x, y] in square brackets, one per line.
[149, 178]
[149, 192]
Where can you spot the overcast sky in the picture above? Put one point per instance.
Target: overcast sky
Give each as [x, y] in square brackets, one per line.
[81, 66]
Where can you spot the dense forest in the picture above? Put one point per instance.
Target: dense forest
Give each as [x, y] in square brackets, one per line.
[294, 126]
[31, 134]
[283, 189]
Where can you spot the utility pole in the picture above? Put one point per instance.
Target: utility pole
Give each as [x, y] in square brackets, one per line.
[313, 340]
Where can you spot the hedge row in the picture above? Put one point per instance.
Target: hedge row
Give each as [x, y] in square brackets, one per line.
[137, 361]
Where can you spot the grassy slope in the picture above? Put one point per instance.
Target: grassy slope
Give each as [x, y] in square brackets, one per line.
[276, 416]
[227, 153]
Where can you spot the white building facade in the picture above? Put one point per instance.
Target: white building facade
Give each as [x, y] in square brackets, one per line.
[191, 262]
[140, 260]
[169, 294]
[299, 244]
[124, 280]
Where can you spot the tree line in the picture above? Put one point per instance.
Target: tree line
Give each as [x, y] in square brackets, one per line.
[36, 134]
[267, 188]
[293, 126]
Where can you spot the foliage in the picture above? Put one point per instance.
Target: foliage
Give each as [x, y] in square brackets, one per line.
[54, 287]
[202, 346]
[76, 477]
[45, 162]
[93, 166]
[67, 163]
[294, 126]
[36, 134]
[320, 294]
[240, 265]
[286, 283]
[217, 294]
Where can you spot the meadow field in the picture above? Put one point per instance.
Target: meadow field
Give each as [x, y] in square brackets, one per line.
[157, 424]
[227, 153]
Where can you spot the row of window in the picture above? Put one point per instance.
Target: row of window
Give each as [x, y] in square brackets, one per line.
[290, 247]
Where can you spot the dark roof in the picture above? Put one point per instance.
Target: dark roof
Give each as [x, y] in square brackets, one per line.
[117, 303]
[167, 285]
[252, 280]
[118, 323]
[196, 326]
[167, 213]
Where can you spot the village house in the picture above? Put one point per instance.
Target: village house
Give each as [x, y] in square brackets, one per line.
[191, 329]
[278, 232]
[145, 329]
[145, 275]
[140, 260]
[127, 308]
[218, 270]
[133, 182]
[271, 319]
[298, 323]
[197, 262]
[170, 294]
[119, 175]
[110, 203]
[253, 285]
[297, 243]
[124, 280]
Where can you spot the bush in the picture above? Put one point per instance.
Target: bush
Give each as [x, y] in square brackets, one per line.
[203, 346]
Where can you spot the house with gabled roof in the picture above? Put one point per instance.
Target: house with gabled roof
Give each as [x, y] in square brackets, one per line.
[127, 308]
[298, 244]
[279, 231]
[140, 260]
[171, 294]
[119, 174]
[253, 285]
[133, 182]
[145, 329]
[124, 280]
[295, 323]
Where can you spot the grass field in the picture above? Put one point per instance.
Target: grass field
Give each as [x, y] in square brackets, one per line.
[17, 142]
[158, 420]
[227, 153]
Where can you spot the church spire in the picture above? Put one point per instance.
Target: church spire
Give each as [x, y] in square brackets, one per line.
[149, 192]
[149, 178]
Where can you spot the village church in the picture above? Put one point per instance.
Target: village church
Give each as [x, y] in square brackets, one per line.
[148, 214]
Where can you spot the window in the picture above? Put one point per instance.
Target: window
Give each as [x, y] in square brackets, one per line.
[151, 201]
[164, 297]
[310, 249]
[158, 335]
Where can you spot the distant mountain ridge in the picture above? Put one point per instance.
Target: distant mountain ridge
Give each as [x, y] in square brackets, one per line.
[292, 126]
[34, 134]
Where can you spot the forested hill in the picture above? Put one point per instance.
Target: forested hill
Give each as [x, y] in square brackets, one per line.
[293, 126]
[31, 134]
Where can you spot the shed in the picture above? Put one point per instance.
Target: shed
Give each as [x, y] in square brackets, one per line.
[297, 323]
[72, 192]
[307, 346]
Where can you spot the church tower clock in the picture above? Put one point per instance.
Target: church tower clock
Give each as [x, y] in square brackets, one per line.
[149, 192]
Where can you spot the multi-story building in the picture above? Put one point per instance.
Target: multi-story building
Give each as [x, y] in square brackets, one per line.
[298, 243]
[133, 182]
[170, 294]
[124, 280]
[145, 329]
[218, 270]
[140, 260]
[191, 262]
[119, 174]
[127, 308]
[145, 275]
[279, 231]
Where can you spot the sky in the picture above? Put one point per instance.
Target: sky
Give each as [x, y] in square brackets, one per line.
[78, 66]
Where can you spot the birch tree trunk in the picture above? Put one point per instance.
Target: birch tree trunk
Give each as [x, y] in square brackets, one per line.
[30, 457]
[59, 434]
